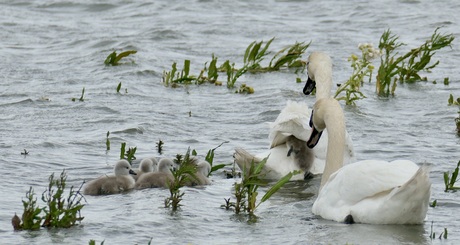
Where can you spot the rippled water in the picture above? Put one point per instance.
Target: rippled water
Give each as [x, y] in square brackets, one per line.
[52, 49]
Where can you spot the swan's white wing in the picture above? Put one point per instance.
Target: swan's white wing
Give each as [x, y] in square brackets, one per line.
[358, 181]
[293, 120]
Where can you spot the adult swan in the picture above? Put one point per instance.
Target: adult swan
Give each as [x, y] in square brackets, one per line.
[370, 191]
[290, 131]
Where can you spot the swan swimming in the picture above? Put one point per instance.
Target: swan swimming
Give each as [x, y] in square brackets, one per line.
[111, 184]
[160, 178]
[203, 168]
[291, 129]
[147, 165]
[369, 191]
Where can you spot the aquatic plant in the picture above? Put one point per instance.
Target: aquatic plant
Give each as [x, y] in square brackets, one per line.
[245, 89]
[362, 68]
[107, 141]
[128, 154]
[210, 158]
[182, 175]
[246, 190]
[119, 87]
[457, 123]
[160, 144]
[113, 58]
[434, 203]
[60, 212]
[25, 152]
[451, 179]
[441, 236]
[93, 242]
[31, 219]
[81, 97]
[289, 57]
[451, 100]
[406, 68]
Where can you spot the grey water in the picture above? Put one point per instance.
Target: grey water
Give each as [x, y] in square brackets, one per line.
[51, 50]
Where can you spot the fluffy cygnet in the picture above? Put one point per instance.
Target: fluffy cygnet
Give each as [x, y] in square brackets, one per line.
[161, 178]
[147, 165]
[201, 176]
[111, 184]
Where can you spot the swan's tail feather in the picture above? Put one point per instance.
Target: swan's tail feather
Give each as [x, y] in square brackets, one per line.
[418, 190]
[244, 159]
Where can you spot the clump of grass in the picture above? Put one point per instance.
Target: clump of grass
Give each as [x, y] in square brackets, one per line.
[406, 68]
[81, 97]
[93, 242]
[451, 179]
[60, 212]
[434, 203]
[256, 52]
[457, 123]
[362, 68]
[107, 141]
[129, 154]
[160, 144]
[244, 89]
[25, 152]
[114, 59]
[246, 190]
[451, 100]
[441, 236]
[182, 175]
[210, 158]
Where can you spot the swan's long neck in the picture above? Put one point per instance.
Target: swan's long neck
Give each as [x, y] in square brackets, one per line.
[335, 123]
[323, 78]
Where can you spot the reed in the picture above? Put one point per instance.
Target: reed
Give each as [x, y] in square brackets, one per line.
[159, 146]
[129, 154]
[107, 141]
[114, 59]
[81, 97]
[450, 179]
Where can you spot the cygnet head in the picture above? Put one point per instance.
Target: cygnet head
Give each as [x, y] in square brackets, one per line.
[319, 68]
[147, 165]
[166, 165]
[123, 168]
[204, 167]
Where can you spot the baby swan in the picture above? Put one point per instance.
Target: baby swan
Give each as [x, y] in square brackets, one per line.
[201, 176]
[147, 165]
[161, 178]
[112, 184]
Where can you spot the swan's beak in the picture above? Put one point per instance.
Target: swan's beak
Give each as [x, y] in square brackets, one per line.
[132, 172]
[309, 86]
[314, 137]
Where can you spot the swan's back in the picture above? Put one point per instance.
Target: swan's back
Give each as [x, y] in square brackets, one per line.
[112, 184]
[162, 178]
[292, 120]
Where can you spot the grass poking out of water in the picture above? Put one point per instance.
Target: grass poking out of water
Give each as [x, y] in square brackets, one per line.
[246, 190]
[129, 154]
[81, 97]
[114, 59]
[59, 212]
[450, 179]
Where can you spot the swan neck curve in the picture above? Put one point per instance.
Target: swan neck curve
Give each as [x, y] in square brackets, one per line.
[334, 121]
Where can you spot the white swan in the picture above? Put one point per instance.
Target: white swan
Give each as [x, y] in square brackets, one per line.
[161, 178]
[147, 165]
[291, 129]
[111, 184]
[370, 191]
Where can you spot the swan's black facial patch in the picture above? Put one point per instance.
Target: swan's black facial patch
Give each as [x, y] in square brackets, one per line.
[349, 220]
[311, 119]
[314, 137]
[309, 86]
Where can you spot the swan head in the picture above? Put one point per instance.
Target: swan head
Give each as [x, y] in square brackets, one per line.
[319, 69]
[123, 168]
[146, 165]
[322, 109]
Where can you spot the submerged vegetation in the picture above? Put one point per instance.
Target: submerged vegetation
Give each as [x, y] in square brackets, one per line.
[256, 52]
[81, 97]
[127, 154]
[59, 212]
[450, 179]
[246, 193]
[114, 59]
[393, 67]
